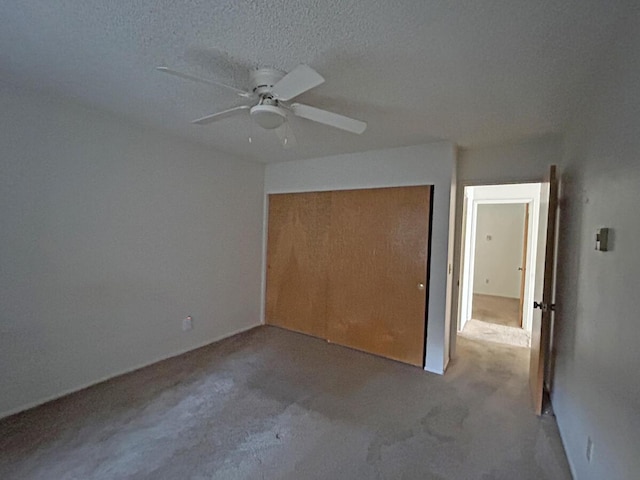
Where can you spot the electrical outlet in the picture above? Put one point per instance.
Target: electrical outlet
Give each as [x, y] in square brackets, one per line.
[589, 449]
[187, 323]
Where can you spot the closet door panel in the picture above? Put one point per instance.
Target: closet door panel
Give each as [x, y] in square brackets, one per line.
[297, 256]
[378, 271]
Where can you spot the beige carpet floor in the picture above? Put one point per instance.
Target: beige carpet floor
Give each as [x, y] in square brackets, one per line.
[498, 310]
[490, 332]
[272, 404]
[495, 319]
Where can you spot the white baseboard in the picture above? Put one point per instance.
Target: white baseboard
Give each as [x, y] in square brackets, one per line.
[42, 401]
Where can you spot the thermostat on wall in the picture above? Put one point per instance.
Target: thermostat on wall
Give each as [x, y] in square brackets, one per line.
[602, 239]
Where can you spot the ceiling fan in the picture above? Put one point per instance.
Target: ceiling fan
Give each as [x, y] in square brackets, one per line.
[269, 100]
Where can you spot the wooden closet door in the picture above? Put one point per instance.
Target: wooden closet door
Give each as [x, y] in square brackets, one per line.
[378, 271]
[297, 256]
[351, 267]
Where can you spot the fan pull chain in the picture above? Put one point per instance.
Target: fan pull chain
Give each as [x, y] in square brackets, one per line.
[250, 130]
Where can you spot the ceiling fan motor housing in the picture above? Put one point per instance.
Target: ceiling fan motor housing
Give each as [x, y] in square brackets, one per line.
[263, 79]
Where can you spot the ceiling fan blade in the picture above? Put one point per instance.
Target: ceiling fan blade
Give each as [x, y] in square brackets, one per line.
[220, 115]
[286, 136]
[186, 76]
[297, 81]
[328, 118]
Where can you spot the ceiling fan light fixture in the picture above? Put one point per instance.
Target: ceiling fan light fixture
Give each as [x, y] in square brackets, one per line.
[268, 116]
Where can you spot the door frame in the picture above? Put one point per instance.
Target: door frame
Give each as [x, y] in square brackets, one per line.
[523, 266]
[474, 195]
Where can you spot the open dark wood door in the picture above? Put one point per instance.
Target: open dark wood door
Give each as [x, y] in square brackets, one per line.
[541, 328]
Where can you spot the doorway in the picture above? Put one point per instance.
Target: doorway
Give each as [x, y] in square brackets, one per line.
[499, 255]
[497, 303]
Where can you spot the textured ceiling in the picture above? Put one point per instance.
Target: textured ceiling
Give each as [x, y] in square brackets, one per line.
[472, 72]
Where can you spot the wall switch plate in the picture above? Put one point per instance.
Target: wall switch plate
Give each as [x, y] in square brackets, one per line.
[187, 323]
[602, 239]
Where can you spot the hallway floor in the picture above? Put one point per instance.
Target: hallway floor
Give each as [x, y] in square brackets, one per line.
[496, 310]
[495, 319]
[272, 404]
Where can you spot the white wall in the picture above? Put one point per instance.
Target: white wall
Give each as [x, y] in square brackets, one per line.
[431, 164]
[499, 246]
[521, 162]
[110, 234]
[596, 391]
